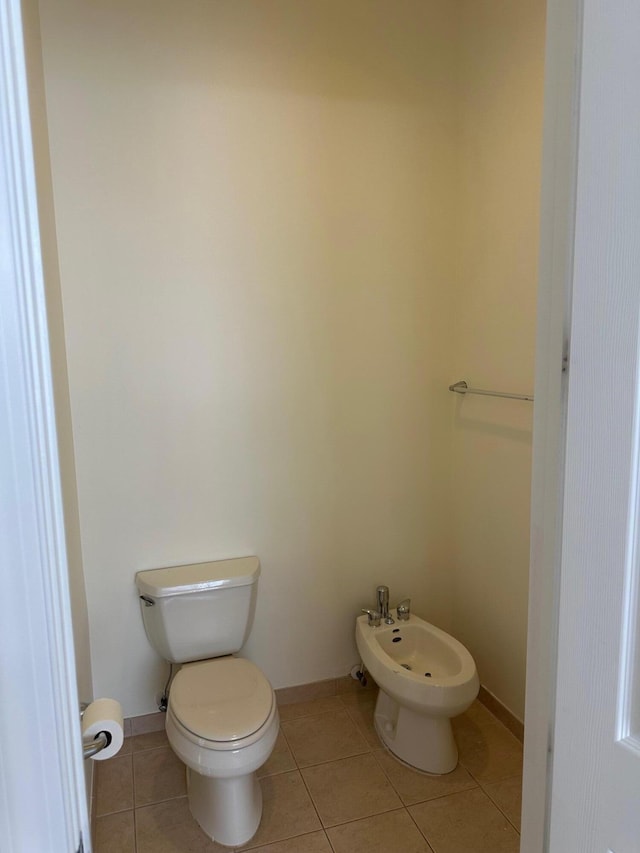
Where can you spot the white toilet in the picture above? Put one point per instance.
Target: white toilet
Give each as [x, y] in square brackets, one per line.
[222, 719]
[425, 677]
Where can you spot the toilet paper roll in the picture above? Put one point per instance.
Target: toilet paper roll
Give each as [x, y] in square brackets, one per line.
[104, 715]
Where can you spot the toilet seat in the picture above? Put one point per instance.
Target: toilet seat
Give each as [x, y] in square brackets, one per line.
[222, 703]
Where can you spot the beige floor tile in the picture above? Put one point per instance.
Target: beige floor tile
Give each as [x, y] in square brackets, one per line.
[361, 712]
[324, 737]
[316, 842]
[350, 789]
[114, 785]
[280, 761]
[287, 810]
[415, 787]
[157, 775]
[150, 740]
[115, 833]
[488, 751]
[479, 714]
[169, 828]
[385, 833]
[355, 698]
[127, 746]
[348, 685]
[306, 709]
[467, 822]
[507, 795]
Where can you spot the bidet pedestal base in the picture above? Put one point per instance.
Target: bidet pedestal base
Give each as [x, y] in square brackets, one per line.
[423, 742]
[227, 809]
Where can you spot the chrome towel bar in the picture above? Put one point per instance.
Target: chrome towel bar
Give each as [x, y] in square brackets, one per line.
[462, 388]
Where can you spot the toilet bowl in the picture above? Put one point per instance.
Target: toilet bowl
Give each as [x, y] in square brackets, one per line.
[222, 720]
[425, 677]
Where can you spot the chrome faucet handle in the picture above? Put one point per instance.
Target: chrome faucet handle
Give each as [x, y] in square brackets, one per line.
[374, 617]
[382, 596]
[403, 610]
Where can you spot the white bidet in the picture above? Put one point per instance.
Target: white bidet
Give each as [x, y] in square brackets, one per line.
[425, 677]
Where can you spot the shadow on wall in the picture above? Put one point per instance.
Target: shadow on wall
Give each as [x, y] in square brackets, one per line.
[489, 419]
[268, 45]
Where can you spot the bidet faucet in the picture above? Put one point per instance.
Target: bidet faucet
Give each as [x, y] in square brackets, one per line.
[382, 593]
[374, 617]
[403, 610]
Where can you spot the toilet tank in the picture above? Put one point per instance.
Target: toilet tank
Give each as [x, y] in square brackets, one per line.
[199, 611]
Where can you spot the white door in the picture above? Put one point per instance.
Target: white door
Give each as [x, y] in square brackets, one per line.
[595, 790]
[42, 789]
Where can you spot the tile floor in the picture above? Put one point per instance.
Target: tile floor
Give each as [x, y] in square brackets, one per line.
[329, 787]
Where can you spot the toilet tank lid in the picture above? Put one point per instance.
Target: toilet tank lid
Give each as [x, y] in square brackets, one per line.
[178, 580]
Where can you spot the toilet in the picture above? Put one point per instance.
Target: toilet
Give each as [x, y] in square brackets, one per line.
[222, 719]
[425, 677]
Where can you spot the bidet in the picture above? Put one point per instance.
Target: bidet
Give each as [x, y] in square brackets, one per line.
[425, 677]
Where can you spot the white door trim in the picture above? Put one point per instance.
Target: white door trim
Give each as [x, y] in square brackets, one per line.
[42, 791]
[558, 212]
[596, 772]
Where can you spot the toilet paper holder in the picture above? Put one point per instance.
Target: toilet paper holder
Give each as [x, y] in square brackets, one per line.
[93, 747]
[98, 743]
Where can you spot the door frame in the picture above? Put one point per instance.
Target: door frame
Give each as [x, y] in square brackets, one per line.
[40, 665]
[557, 226]
[42, 787]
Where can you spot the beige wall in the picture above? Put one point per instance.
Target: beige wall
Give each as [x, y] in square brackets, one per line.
[500, 115]
[255, 223]
[284, 229]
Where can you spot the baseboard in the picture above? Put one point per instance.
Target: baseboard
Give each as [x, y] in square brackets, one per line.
[144, 724]
[502, 713]
[284, 696]
[332, 687]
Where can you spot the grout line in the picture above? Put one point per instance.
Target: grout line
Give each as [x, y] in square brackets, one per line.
[286, 740]
[268, 844]
[115, 811]
[298, 770]
[315, 808]
[133, 781]
[432, 849]
[369, 748]
[496, 804]
[326, 835]
[326, 761]
[429, 799]
[361, 729]
[135, 832]
[481, 782]
[366, 817]
[353, 820]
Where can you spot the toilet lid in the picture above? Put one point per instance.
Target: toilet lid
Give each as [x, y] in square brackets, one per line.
[221, 700]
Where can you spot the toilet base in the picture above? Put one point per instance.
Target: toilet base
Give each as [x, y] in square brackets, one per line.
[227, 809]
[421, 741]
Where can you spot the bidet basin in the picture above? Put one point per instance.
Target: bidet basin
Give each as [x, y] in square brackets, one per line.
[419, 665]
